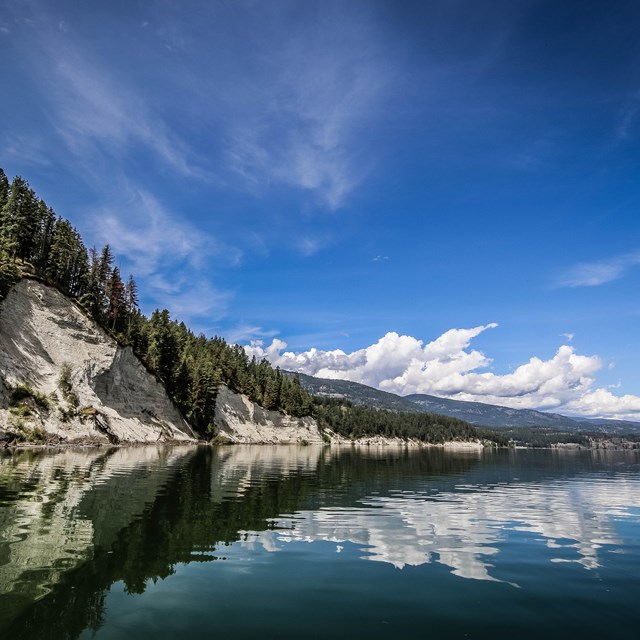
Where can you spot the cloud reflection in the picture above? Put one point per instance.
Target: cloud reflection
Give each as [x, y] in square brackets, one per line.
[466, 529]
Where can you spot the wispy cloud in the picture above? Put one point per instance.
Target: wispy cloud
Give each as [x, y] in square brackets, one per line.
[627, 117]
[27, 149]
[170, 255]
[95, 111]
[248, 333]
[314, 94]
[309, 246]
[591, 274]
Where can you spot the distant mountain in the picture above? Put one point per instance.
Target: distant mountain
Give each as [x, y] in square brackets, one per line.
[358, 394]
[491, 415]
[478, 413]
[609, 426]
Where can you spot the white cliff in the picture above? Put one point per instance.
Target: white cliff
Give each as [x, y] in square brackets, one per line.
[239, 420]
[111, 396]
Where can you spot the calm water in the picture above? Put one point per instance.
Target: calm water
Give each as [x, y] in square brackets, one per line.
[304, 542]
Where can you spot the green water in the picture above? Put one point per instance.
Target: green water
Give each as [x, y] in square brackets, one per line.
[306, 542]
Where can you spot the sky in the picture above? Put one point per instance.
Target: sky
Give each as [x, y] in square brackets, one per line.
[427, 197]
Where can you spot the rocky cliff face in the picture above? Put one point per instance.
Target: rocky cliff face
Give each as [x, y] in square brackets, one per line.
[77, 384]
[72, 379]
[240, 420]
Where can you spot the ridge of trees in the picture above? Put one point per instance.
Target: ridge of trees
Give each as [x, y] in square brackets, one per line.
[35, 241]
[357, 421]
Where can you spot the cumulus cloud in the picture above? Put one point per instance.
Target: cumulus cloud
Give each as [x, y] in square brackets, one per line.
[449, 367]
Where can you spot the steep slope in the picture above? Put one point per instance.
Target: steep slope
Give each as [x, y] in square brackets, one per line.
[60, 372]
[241, 421]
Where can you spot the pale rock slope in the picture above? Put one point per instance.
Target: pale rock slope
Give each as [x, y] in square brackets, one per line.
[239, 420]
[116, 399]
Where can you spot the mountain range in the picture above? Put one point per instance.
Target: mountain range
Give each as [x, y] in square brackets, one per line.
[477, 413]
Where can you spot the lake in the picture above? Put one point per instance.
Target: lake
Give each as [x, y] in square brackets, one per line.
[319, 542]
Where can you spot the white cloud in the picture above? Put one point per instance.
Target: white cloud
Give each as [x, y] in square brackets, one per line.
[601, 402]
[311, 97]
[169, 254]
[591, 274]
[448, 367]
[296, 116]
[95, 111]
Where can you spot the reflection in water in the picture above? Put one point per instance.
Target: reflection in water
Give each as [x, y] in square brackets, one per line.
[55, 510]
[461, 530]
[74, 523]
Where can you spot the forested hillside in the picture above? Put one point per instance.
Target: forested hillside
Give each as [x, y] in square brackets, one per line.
[358, 421]
[35, 242]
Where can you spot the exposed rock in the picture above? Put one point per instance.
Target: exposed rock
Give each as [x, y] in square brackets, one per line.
[240, 420]
[110, 396]
[78, 385]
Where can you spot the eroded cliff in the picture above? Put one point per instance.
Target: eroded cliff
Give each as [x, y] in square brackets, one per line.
[62, 376]
[61, 373]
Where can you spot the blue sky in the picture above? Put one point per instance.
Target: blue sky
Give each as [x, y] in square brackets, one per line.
[332, 174]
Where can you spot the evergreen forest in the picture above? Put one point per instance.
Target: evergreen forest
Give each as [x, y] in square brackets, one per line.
[36, 242]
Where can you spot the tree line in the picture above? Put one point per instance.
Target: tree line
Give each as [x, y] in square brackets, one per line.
[36, 241]
[357, 421]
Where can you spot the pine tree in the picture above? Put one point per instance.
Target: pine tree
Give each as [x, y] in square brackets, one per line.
[182, 384]
[117, 301]
[131, 299]
[92, 297]
[8, 271]
[4, 188]
[163, 347]
[68, 262]
[44, 236]
[19, 219]
[105, 269]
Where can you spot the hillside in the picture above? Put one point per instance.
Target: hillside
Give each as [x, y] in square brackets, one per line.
[63, 374]
[492, 415]
[64, 379]
[79, 361]
[477, 413]
[357, 394]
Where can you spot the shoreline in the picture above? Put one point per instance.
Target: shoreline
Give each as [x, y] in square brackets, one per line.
[458, 446]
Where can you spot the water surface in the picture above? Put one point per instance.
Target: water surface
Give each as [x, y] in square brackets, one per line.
[258, 541]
